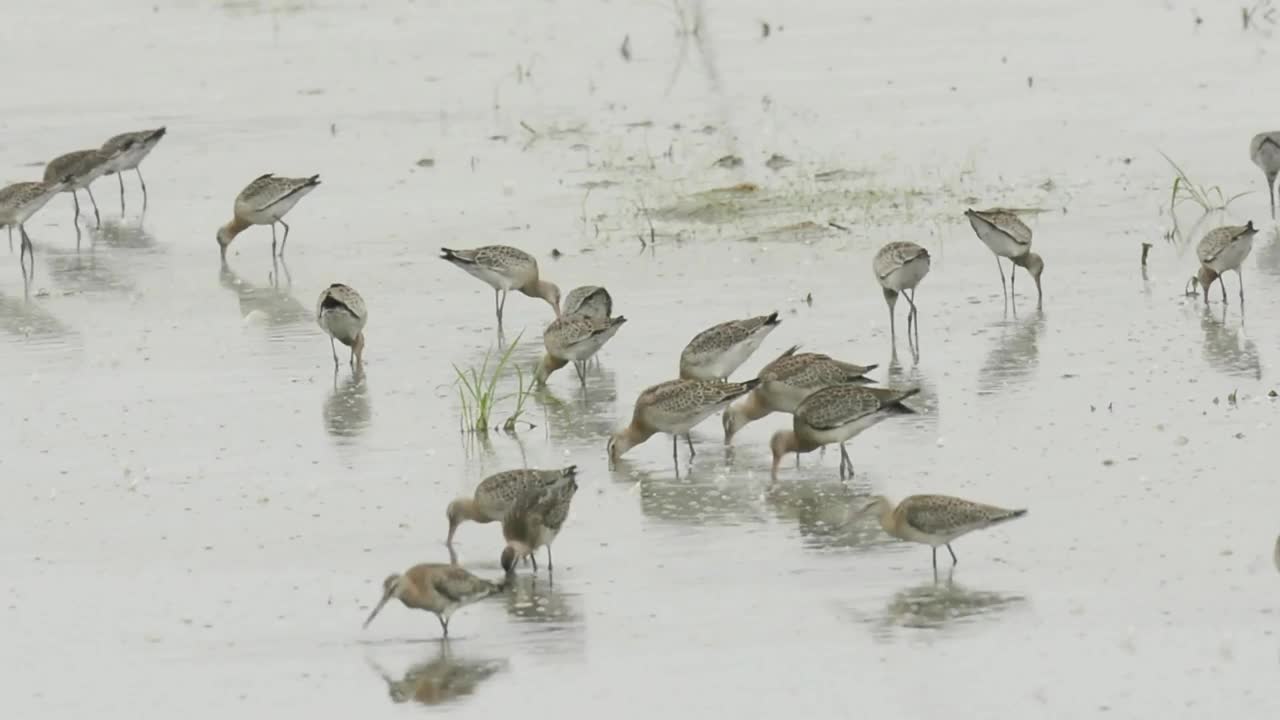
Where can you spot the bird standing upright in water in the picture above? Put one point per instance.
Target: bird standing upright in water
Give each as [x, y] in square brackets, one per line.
[341, 312]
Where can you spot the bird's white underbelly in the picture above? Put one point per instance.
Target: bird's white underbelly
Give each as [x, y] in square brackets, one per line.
[274, 212]
[495, 280]
[908, 276]
[587, 348]
[781, 397]
[1000, 243]
[848, 430]
[342, 325]
[1232, 255]
[723, 364]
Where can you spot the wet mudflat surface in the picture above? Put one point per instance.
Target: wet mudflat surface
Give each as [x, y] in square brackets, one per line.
[195, 515]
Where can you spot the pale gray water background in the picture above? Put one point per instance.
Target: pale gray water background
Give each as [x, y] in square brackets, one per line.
[194, 520]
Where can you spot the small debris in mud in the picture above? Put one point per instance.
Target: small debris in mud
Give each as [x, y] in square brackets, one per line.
[808, 300]
[333, 129]
[555, 253]
[1030, 81]
[1232, 398]
[728, 162]
[777, 162]
[1146, 249]
[426, 163]
[1238, 436]
[1272, 394]
[640, 124]
[1048, 185]
[1108, 462]
[597, 184]
[498, 138]
[708, 130]
[625, 50]
[765, 29]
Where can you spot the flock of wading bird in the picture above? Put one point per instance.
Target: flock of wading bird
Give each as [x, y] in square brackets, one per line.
[830, 400]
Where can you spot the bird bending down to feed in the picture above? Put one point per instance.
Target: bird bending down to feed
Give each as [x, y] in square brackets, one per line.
[716, 352]
[1222, 249]
[497, 494]
[1264, 150]
[574, 338]
[835, 415]
[437, 588]
[590, 301]
[18, 202]
[675, 407]
[786, 382]
[935, 520]
[265, 201]
[341, 312]
[82, 167]
[137, 146]
[533, 522]
[899, 267]
[504, 269]
[1007, 236]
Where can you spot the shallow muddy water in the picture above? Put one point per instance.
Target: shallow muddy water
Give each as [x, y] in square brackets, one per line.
[196, 516]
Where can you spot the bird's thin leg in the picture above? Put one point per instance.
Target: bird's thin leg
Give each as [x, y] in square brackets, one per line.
[1013, 276]
[120, 179]
[1240, 275]
[534, 559]
[502, 306]
[954, 561]
[444, 625]
[935, 561]
[689, 439]
[1000, 267]
[1222, 282]
[273, 240]
[675, 456]
[10, 228]
[846, 460]
[893, 328]
[143, 183]
[75, 198]
[334, 348]
[550, 567]
[97, 219]
[577, 367]
[284, 240]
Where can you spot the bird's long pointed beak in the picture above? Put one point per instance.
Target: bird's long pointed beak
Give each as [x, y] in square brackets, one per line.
[385, 597]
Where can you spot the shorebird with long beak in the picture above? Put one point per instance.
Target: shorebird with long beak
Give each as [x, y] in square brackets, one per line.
[937, 520]
[82, 167]
[265, 201]
[574, 339]
[504, 269]
[136, 146]
[675, 407]
[590, 301]
[535, 521]
[437, 588]
[786, 382]
[835, 415]
[341, 313]
[1222, 249]
[497, 494]
[899, 267]
[1264, 151]
[1007, 236]
[18, 202]
[716, 352]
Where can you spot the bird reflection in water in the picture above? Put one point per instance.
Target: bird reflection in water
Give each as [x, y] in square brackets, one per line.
[533, 600]
[441, 679]
[1014, 354]
[347, 409]
[272, 302]
[1227, 348]
[126, 235]
[939, 605]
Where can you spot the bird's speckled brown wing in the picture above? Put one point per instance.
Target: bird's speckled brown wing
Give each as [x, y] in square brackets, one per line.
[840, 405]
[894, 255]
[1007, 223]
[945, 515]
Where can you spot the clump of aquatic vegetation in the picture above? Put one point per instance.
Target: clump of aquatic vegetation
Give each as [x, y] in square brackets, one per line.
[479, 394]
[1209, 198]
